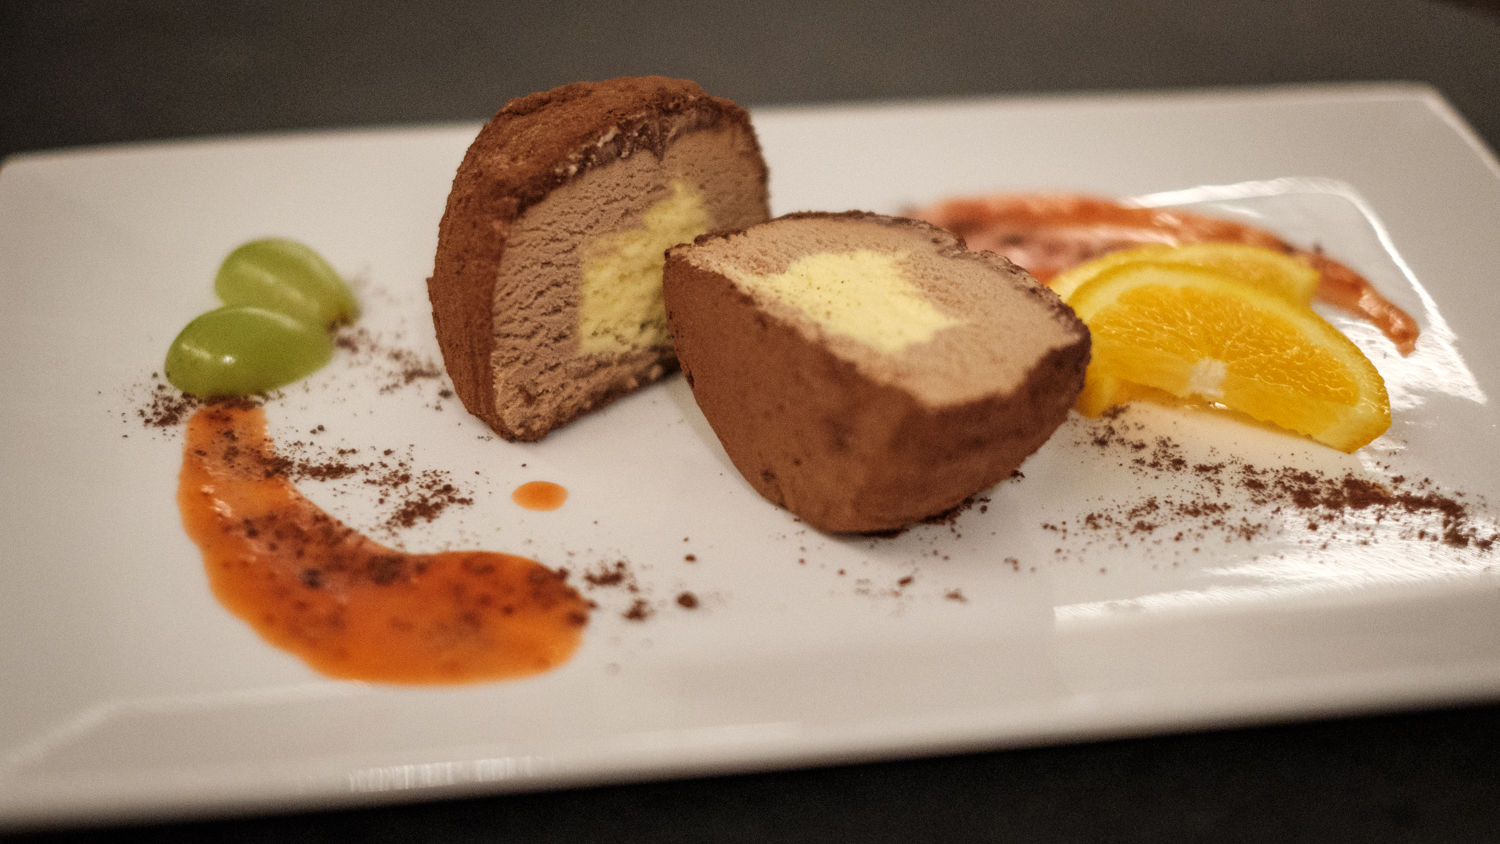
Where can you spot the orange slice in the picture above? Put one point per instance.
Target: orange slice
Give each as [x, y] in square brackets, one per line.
[1275, 272]
[1196, 332]
[1100, 391]
[1272, 270]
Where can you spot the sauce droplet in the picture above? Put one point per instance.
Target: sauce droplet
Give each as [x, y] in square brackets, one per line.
[540, 495]
[346, 605]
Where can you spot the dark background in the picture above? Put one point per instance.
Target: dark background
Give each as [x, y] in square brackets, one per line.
[92, 71]
[82, 72]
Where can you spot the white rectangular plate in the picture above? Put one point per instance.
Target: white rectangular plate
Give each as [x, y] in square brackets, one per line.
[126, 690]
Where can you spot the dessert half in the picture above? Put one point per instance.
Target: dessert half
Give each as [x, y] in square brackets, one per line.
[868, 372]
[546, 290]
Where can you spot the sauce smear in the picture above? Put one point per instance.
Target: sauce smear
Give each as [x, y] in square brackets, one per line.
[348, 606]
[540, 495]
[1048, 233]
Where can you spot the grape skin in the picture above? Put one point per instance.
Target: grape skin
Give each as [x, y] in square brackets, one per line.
[286, 276]
[240, 350]
[282, 300]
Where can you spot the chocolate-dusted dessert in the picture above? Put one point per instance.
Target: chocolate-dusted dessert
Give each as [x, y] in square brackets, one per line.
[867, 372]
[546, 290]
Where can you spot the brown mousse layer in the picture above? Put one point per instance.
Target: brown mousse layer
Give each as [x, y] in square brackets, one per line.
[546, 178]
[829, 421]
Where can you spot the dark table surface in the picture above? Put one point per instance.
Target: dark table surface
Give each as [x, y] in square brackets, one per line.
[83, 72]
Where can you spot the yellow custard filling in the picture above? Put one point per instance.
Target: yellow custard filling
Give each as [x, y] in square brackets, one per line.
[622, 306]
[863, 294]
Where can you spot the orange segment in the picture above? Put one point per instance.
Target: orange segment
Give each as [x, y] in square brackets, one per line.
[1070, 280]
[1100, 392]
[1198, 332]
[1273, 271]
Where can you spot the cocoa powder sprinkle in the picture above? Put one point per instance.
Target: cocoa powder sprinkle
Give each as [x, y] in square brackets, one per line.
[1232, 499]
[640, 610]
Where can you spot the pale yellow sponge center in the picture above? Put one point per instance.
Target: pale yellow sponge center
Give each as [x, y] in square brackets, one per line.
[622, 307]
[861, 294]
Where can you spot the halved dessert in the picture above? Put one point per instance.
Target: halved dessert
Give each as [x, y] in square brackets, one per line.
[867, 372]
[546, 290]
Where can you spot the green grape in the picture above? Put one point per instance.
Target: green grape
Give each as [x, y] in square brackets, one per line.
[238, 350]
[283, 275]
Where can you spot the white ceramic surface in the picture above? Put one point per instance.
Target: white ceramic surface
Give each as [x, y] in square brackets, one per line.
[126, 690]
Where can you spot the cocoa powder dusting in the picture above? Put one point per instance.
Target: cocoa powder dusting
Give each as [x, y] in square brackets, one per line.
[408, 496]
[395, 367]
[606, 574]
[164, 406]
[425, 498]
[1231, 500]
[618, 575]
[640, 610]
